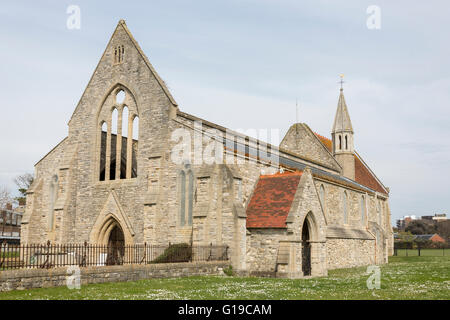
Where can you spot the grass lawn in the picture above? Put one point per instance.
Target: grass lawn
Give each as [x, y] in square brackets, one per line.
[402, 278]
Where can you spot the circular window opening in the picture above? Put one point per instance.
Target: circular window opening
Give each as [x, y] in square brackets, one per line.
[120, 97]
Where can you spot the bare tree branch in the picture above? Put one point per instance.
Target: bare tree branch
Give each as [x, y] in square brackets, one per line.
[5, 197]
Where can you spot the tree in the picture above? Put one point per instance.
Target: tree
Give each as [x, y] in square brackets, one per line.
[443, 229]
[421, 227]
[23, 182]
[405, 236]
[5, 197]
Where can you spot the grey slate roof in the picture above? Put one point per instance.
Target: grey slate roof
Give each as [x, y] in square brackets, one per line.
[423, 237]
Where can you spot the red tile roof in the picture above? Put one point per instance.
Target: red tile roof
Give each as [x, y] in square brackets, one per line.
[363, 175]
[326, 142]
[272, 200]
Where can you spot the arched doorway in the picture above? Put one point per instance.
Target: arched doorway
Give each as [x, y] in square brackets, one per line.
[306, 249]
[116, 246]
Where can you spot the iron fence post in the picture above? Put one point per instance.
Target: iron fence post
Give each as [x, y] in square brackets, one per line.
[46, 263]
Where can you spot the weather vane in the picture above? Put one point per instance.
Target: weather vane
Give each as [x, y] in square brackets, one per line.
[342, 80]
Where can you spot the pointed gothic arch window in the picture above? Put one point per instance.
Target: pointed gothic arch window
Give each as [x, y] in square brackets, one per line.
[340, 142]
[380, 216]
[346, 142]
[118, 139]
[322, 196]
[344, 204]
[363, 209]
[186, 195]
[114, 123]
[238, 189]
[53, 196]
[182, 198]
[134, 141]
[190, 195]
[379, 212]
[124, 133]
[125, 116]
[103, 134]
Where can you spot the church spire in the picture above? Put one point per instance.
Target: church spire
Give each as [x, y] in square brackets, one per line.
[342, 137]
[342, 122]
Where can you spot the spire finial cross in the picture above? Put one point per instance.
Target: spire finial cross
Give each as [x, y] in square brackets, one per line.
[341, 81]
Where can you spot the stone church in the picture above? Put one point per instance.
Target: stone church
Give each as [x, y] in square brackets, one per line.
[316, 207]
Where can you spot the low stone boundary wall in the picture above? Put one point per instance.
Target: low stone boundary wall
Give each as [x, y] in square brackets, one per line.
[21, 279]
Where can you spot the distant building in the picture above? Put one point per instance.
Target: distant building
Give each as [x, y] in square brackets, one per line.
[10, 221]
[403, 223]
[429, 237]
[422, 237]
[440, 217]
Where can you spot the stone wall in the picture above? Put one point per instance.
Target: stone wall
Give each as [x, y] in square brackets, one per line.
[262, 249]
[301, 140]
[44, 278]
[348, 253]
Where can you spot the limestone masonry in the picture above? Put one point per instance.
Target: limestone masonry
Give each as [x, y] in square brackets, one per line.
[114, 179]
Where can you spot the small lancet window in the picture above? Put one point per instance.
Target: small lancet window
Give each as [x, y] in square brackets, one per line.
[182, 198]
[322, 195]
[380, 216]
[344, 203]
[136, 128]
[134, 147]
[125, 115]
[363, 209]
[190, 196]
[238, 190]
[340, 143]
[346, 143]
[123, 166]
[186, 180]
[113, 155]
[119, 52]
[103, 134]
[53, 196]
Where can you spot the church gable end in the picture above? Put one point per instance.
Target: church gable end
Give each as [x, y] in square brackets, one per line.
[301, 140]
[123, 63]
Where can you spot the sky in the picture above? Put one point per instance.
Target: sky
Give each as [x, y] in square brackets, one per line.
[242, 64]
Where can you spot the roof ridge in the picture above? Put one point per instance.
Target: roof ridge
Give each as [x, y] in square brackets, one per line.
[321, 136]
[357, 155]
[281, 174]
